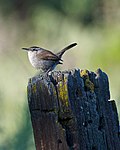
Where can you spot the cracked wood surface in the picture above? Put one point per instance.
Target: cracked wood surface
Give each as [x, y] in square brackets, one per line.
[72, 110]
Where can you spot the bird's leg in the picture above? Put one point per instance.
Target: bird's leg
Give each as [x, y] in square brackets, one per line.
[46, 74]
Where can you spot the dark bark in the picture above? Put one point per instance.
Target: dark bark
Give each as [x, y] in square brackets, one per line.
[72, 110]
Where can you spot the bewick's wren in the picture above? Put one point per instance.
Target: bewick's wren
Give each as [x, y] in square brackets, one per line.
[45, 60]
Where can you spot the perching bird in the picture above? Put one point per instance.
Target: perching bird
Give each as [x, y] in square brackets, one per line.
[45, 60]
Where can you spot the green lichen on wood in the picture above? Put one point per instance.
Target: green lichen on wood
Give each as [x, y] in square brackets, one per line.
[34, 89]
[63, 92]
[64, 113]
[84, 73]
[88, 84]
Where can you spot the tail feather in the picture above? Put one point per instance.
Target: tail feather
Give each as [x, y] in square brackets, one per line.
[59, 54]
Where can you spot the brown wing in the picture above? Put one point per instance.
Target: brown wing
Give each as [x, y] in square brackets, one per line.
[47, 55]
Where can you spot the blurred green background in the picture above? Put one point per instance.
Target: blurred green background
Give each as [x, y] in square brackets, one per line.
[52, 24]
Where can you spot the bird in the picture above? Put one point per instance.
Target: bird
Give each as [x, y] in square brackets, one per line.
[46, 60]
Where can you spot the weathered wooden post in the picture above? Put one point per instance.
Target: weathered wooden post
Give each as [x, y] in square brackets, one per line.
[72, 110]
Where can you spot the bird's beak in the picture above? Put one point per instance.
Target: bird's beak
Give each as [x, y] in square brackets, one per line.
[26, 49]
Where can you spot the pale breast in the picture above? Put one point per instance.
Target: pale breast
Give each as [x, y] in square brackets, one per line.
[40, 63]
[33, 59]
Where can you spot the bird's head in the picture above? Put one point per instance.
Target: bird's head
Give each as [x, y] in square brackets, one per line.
[32, 49]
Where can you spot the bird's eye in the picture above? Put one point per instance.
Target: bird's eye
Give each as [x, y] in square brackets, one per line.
[33, 49]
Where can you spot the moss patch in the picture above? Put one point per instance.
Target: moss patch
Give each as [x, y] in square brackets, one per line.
[34, 88]
[63, 92]
[88, 84]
